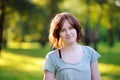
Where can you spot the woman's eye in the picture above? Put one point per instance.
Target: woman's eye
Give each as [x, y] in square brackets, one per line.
[71, 27]
[62, 30]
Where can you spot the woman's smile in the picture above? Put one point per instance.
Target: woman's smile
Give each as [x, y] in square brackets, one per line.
[69, 37]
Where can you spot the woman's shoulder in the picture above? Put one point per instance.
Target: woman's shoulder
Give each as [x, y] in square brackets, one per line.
[87, 48]
[52, 53]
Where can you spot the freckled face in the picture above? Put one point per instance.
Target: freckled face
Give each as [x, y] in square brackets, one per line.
[68, 34]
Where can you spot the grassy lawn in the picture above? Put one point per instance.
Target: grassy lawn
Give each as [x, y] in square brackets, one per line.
[26, 64]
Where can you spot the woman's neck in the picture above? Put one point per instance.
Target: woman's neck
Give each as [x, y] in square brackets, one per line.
[71, 47]
[71, 50]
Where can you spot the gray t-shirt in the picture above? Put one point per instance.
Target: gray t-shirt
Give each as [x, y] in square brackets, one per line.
[69, 71]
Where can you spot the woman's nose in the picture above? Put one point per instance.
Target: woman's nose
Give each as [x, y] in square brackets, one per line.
[67, 32]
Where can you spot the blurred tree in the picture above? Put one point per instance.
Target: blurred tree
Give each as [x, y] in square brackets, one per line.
[88, 29]
[112, 11]
[96, 29]
[52, 9]
[92, 31]
[22, 8]
[111, 30]
[2, 16]
[30, 22]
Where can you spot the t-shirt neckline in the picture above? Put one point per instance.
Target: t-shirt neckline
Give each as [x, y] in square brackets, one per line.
[72, 63]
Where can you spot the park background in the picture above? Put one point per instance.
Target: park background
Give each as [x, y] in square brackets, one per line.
[24, 28]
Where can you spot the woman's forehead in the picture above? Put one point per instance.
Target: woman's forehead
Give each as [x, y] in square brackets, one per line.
[66, 22]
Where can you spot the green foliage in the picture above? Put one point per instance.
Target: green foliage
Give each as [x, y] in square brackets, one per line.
[28, 20]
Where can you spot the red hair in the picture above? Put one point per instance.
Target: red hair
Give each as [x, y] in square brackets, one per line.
[56, 26]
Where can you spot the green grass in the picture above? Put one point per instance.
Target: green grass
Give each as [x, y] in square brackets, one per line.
[27, 64]
[22, 64]
[109, 62]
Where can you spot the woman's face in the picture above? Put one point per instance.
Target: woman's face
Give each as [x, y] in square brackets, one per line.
[68, 34]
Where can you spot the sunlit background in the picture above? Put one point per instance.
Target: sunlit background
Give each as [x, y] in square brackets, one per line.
[24, 26]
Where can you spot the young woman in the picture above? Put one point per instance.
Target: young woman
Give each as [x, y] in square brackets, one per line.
[70, 61]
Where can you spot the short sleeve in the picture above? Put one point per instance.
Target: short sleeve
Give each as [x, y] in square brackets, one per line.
[49, 64]
[94, 55]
